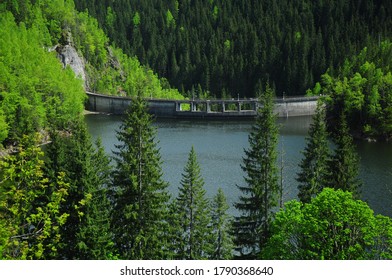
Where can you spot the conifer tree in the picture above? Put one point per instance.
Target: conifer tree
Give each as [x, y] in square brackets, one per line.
[193, 213]
[260, 194]
[140, 195]
[95, 237]
[87, 205]
[344, 164]
[313, 176]
[222, 228]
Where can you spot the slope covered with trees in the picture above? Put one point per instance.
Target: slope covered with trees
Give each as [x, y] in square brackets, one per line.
[68, 202]
[228, 46]
[36, 92]
[361, 90]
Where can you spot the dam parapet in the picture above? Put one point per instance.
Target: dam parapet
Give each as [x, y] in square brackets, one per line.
[214, 109]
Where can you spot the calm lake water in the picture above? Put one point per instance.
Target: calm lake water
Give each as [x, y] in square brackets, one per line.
[220, 148]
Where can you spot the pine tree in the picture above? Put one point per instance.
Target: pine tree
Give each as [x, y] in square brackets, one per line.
[85, 167]
[344, 164]
[260, 195]
[95, 237]
[222, 228]
[140, 195]
[314, 166]
[194, 214]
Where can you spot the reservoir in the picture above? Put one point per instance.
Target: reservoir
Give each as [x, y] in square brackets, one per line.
[220, 148]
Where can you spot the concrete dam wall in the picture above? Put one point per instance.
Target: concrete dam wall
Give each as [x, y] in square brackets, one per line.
[214, 109]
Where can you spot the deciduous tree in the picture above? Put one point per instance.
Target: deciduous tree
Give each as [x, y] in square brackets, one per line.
[30, 205]
[332, 226]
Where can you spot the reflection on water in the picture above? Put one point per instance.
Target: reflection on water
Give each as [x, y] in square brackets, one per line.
[220, 145]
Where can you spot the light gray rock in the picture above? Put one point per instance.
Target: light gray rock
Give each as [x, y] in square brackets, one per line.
[69, 56]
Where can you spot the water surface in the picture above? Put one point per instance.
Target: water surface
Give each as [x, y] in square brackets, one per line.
[220, 148]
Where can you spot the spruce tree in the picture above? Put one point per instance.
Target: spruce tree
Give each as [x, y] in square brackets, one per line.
[193, 211]
[95, 237]
[140, 195]
[344, 164]
[313, 176]
[223, 244]
[84, 166]
[260, 194]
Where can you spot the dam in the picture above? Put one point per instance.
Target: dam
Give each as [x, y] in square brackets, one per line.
[204, 109]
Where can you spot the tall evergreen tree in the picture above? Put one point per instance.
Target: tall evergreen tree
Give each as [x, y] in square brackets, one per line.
[344, 164]
[313, 176]
[223, 245]
[95, 237]
[193, 213]
[140, 195]
[87, 205]
[260, 195]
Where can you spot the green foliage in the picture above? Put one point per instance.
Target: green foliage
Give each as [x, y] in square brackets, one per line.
[86, 234]
[35, 92]
[170, 21]
[313, 176]
[3, 127]
[90, 40]
[260, 195]
[140, 198]
[289, 43]
[344, 164]
[136, 19]
[332, 226]
[193, 212]
[95, 240]
[362, 91]
[222, 228]
[30, 210]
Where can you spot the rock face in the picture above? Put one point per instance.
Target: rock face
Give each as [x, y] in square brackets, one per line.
[69, 56]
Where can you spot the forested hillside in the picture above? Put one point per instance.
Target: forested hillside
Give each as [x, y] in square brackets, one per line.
[362, 91]
[37, 92]
[68, 201]
[228, 46]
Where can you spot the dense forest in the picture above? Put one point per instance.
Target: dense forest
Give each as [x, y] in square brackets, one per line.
[70, 200]
[227, 47]
[361, 89]
[36, 93]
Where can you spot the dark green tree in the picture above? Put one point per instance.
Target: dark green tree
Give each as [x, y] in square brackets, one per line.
[95, 237]
[195, 235]
[86, 170]
[344, 164]
[140, 195]
[313, 176]
[223, 244]
[230, 45]
[261, 192]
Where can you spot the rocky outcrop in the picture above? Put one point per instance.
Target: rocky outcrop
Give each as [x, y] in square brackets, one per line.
[69, 56]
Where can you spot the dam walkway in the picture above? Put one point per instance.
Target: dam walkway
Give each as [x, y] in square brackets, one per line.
[214, 109]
